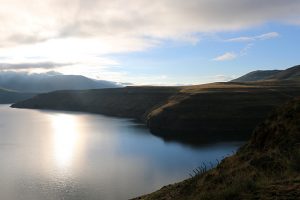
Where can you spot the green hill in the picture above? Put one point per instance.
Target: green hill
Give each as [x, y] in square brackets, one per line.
[267, 167]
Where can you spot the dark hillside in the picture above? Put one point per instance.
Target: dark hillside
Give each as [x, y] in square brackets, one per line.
[130, 102]
[267, 167]
[217, 112]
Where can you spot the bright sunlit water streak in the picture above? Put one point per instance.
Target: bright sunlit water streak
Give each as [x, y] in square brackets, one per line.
[66, 137]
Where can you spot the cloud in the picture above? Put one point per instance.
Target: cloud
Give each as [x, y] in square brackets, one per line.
[39, 65]
[268, 36]
[226, 56]
[33, 21]
[223, 78]
[232, 55]
[265, 36]
[245, 50]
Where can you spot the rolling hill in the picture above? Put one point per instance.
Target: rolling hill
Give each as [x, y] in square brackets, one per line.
[290, 74]
[256, 75]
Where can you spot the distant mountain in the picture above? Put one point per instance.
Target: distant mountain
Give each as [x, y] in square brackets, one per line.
[256, 75]
[292, 73]
[10, 96]
[46, 82]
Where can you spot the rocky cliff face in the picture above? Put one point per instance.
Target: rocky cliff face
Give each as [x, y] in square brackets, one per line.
[267, 167]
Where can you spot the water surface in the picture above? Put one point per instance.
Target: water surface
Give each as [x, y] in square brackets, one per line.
[67, 155]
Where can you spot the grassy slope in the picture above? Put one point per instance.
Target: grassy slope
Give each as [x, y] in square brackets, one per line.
[11, 96]
[267, 167]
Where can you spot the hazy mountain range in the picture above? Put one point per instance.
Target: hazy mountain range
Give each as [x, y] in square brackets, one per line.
[51, 81]
[18, 86]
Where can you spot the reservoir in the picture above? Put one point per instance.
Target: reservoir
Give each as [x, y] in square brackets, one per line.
[56, 155]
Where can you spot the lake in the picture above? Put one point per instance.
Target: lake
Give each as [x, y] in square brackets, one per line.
[52, 155]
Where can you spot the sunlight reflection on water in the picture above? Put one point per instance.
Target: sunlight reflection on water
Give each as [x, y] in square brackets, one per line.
[66, 138]
[55, 155]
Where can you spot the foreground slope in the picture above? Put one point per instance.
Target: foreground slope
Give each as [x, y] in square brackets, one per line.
[267, 167]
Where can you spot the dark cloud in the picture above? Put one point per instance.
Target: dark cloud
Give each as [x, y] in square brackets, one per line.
[39, 65]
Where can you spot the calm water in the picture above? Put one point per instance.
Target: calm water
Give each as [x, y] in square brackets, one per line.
[64, 155]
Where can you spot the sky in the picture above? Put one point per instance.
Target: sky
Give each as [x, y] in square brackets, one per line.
[157, 42]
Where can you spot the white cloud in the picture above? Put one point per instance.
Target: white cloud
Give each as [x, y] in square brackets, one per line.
[265, 36]
[268, 36]
[226, 56]
[232, 55]
[245, 50]
[33, 21]
[223, 78]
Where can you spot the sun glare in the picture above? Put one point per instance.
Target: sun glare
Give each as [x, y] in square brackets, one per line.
[66, 138]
